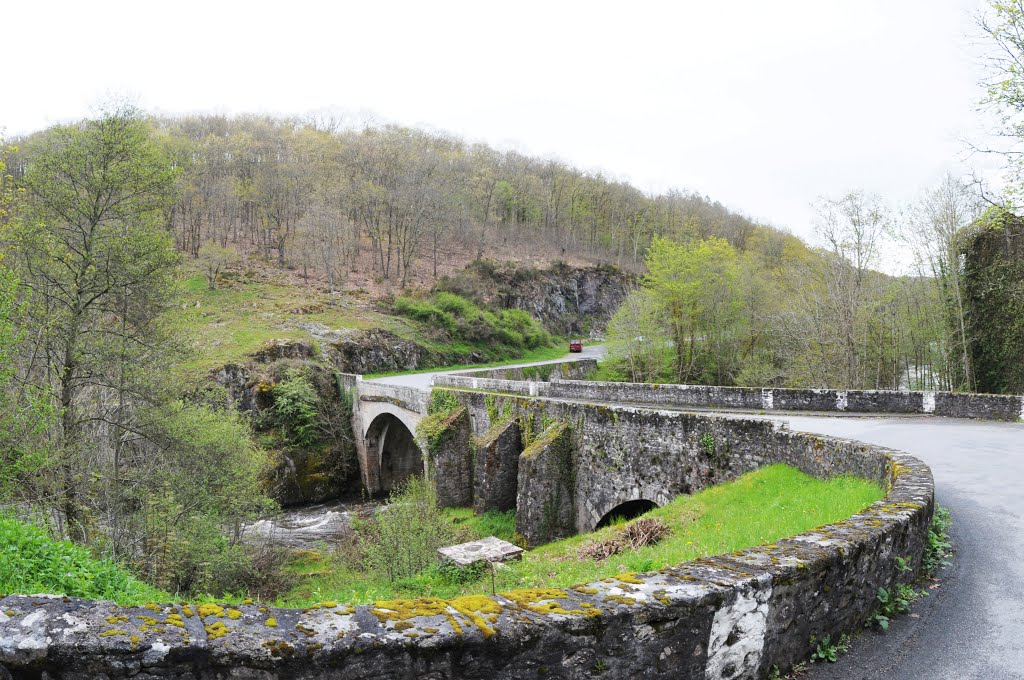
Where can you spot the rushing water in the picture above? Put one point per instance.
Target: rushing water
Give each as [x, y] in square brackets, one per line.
[305, 527]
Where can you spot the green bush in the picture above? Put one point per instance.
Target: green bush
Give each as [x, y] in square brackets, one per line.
[32, 562]
[402, 539]
[498, 332]
[424, 312]
[295, 409]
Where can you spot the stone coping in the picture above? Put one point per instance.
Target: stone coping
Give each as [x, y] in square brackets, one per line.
[727, 616]
[951, 404]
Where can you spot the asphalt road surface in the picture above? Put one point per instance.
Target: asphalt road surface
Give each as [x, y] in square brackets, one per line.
[972, 625]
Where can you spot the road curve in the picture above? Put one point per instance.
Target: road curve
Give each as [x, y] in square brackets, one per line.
[424, 380]
[971, 626]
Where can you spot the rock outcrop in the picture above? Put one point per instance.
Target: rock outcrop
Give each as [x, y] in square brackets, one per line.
[567, 300]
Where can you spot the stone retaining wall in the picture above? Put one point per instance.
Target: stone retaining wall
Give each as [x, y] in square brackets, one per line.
[572, 369]
[953, 404]
[730, 616]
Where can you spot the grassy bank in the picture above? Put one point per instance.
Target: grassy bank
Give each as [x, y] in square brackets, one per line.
[246, 312]
[248, 309]
[32, 562]
[760, 507]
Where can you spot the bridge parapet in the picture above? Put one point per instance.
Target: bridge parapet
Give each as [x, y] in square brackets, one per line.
[410, 398]
[952, 404]
[719, 618]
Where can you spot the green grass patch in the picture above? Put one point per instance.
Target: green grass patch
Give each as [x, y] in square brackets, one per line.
[249, 309]
[32, 562]
[758, 508]
[491, 523]
[241, 316]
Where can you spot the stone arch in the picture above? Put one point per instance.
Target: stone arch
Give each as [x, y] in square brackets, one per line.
[391, 446]
[627, 510]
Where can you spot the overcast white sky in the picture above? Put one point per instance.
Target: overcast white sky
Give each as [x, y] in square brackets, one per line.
[760, 105]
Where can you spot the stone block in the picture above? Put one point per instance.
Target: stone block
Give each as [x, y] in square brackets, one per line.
[490, 549]
[446, 440]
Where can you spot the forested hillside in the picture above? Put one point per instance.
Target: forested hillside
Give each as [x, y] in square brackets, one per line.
[391, 204]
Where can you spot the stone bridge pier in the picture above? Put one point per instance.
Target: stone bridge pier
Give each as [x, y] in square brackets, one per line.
[385, 418]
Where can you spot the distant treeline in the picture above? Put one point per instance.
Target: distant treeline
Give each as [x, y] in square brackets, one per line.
[314, 196]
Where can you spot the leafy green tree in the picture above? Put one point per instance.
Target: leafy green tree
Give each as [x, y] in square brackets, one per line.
[696, 283]
[201, 482]
[98, 268]
[214, 257]
[638, 338]
[1004, 27]
[295, 409]
[25, 411]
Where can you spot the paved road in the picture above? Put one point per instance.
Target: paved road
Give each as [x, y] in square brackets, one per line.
[424, 380]
[972, 626]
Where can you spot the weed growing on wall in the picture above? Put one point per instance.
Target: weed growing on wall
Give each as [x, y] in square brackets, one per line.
[828, 649]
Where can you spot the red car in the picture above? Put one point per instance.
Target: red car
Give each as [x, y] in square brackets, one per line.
[575, 345]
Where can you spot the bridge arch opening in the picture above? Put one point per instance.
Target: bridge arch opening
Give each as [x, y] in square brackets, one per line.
[394, 445]
[626, 511]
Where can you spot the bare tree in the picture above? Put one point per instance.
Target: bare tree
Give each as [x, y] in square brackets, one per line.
[852, 228]
[930, 229]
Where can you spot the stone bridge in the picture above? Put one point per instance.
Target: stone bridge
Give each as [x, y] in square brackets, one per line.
[624, 449]
[564, 454]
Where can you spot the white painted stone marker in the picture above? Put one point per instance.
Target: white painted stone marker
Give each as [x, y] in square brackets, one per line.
[490, 549]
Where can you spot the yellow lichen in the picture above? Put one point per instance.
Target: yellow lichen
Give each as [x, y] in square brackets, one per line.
[472, 606]
[271, 622]
[234, 614]
[621, 599]
[153, 606]
[187, 611]
[541, 601]
[175, 620]
[628, 577]
[584, 590]
[403, 610]
[217, 630]
[403, 625]
[114, 619]
[209, 610]
[112, 632]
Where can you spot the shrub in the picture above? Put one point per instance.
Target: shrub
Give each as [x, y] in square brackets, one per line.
[402, 539]
[463, 320]
[425, 312]
[295, 409]
[32, 562]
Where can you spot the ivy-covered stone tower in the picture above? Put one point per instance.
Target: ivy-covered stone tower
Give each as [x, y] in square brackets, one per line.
[993, 250]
